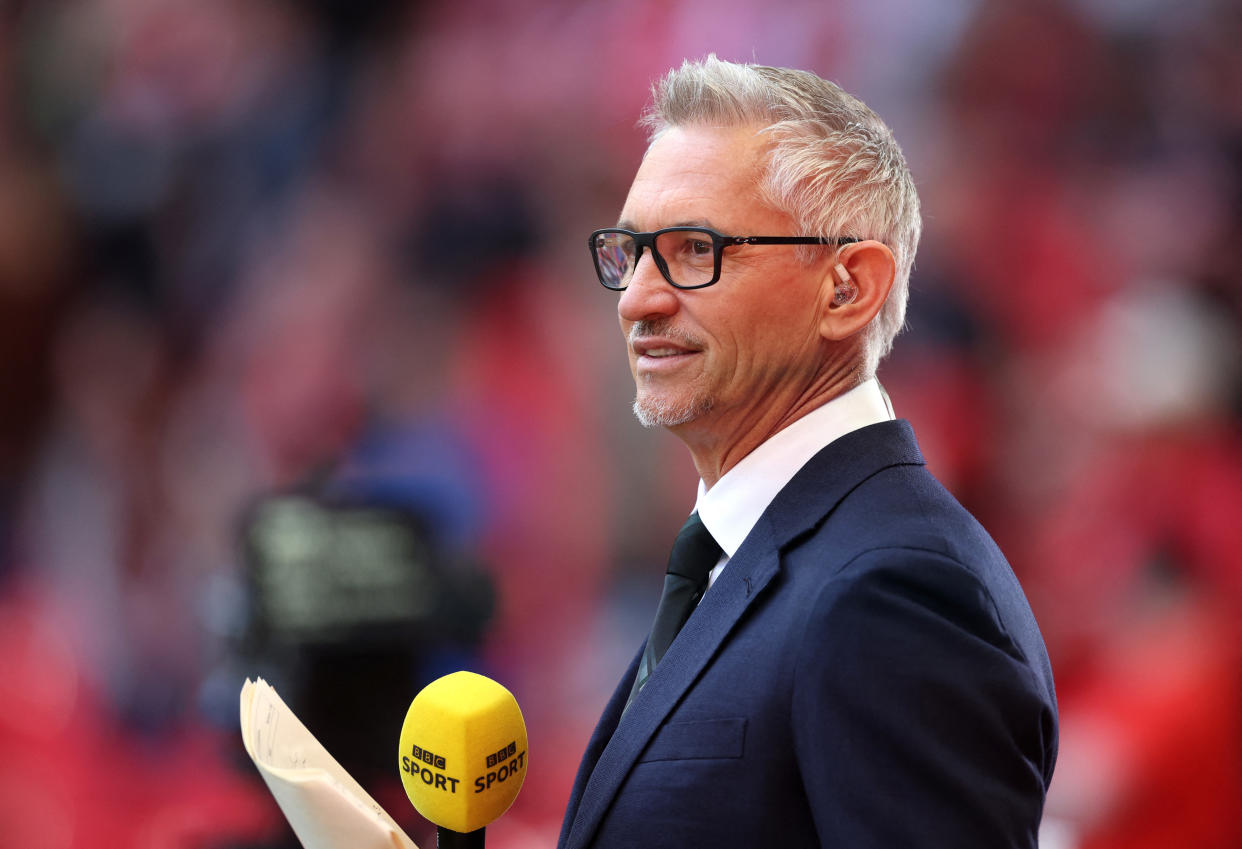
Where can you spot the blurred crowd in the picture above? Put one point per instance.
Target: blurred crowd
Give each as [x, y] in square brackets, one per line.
[335, 251]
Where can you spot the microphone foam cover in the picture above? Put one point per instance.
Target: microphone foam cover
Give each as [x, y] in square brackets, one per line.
[462, 753]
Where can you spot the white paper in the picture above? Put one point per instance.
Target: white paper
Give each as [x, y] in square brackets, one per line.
[326, 807]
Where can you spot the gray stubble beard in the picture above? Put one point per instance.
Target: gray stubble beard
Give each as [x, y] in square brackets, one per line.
[652, 412]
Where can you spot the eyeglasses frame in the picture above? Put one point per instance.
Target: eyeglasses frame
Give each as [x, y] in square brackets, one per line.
[719, 243]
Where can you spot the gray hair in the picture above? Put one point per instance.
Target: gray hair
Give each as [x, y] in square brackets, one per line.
[834, 165]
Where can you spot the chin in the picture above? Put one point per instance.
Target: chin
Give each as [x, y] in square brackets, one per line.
[653, 410]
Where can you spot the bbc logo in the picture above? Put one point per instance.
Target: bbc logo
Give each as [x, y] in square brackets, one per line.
[503, 755]
[428, 757]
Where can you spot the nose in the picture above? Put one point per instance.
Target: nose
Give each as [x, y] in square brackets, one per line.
[649, 294]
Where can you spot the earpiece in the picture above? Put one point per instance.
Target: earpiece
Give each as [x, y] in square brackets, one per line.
[846, 291]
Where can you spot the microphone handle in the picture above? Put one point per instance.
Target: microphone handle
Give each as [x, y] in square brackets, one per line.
[448, 839]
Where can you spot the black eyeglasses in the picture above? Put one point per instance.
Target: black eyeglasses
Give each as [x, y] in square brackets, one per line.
[688, 257]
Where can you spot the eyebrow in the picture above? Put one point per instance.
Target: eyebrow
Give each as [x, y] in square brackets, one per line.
[625, 224]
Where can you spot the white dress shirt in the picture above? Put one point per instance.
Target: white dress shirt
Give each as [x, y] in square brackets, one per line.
[732, 507]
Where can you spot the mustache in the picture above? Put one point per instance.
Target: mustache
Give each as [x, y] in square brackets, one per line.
[664, 328]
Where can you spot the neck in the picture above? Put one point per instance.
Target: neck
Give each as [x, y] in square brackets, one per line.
[719, 440]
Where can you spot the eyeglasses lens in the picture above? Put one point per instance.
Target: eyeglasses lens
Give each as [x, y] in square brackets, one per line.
[689, 256]
[614, 254]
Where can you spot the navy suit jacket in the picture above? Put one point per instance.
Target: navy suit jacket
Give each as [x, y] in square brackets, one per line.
[865, 672]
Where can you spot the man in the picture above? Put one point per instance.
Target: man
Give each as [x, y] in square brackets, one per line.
[863, 670]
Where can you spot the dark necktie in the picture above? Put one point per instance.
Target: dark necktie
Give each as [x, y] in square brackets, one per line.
[693, 556]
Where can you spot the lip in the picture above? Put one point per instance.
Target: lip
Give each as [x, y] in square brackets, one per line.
[658, 353]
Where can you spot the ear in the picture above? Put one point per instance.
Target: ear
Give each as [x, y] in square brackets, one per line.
[870, 268]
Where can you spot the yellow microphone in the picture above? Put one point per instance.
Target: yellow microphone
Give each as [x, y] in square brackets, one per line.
[462, 756]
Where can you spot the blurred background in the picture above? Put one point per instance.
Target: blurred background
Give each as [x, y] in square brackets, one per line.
[304, 373]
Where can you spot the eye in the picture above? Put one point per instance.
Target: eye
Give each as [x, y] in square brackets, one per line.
[699, 247]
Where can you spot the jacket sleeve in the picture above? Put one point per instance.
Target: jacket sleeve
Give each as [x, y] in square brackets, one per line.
[917, 720]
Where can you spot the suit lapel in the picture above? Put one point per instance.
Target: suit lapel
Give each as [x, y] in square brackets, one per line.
[620, 738]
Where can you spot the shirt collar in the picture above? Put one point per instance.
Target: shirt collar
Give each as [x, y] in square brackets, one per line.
[732, 507]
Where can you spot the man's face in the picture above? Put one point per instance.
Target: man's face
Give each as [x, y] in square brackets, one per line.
[730, 360]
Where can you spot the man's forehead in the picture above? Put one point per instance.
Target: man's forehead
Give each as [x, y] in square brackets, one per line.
[696, 177]
[742, 147]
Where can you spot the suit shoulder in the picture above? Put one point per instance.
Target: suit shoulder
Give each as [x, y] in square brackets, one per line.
[900, 531]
